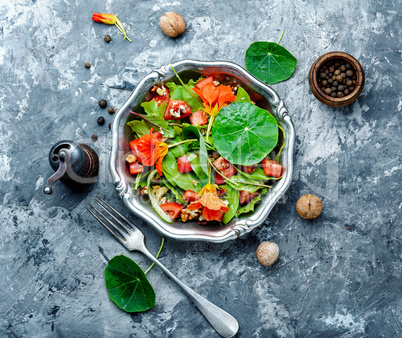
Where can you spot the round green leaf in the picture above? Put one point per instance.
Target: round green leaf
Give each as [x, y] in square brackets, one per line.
[244, 133]
[128, 286]
[269, 62]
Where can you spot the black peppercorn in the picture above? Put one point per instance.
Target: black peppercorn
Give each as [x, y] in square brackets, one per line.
[94, 137]
[346, 91]
[349, 83]
[328, 91]
[341, 88]
[102, 103]
[335, 83]
[87, 65]
[340, 94]
[343, 68]
[107, 38]
[110, 110]
[333, 94]
[349, 72]
[101, 120]
[110, 125]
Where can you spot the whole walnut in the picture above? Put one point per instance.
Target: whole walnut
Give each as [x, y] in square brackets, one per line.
[172, 24]
[309, 206]
[267, 253]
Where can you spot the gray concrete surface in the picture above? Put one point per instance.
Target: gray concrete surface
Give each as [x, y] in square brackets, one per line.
[339, 275]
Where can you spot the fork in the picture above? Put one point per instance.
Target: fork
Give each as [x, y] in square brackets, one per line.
[133, 239]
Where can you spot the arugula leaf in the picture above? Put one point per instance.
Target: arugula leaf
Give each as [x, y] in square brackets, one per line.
[160, 212]
[128, 286]
[153, 109]
[184, 181]
[244, 133]
[139, 127]
[242, 95]
[233, 198]
[250, 205]
[180, 149]
[269, 62]
[239, 183]
[191, 132]
[185, 92]
[154, 118]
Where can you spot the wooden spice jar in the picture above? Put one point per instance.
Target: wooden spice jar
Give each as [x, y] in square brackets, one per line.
[316, 88]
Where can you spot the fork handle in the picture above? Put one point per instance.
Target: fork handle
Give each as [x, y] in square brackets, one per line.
[224, 323]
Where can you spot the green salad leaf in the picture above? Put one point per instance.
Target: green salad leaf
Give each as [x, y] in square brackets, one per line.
[232, 196]
[244, 133]
[185, 92]
[175, 191]
[186, 181]
[139, 127]
[239, 183]
[269, 62]
[251, 205]
[257, 174]
[242, 95]
[154, 202]
[153, 119]
[180, 149]
[195, 165]
[192, 132]
[128, 286]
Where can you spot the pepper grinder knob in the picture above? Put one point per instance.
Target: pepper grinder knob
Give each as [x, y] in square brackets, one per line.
[75, 164]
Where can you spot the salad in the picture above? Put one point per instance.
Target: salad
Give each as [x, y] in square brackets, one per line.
[203, 150]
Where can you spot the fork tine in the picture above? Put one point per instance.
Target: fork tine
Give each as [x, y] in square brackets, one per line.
[127, 229]
[120, 238]
[117, 212]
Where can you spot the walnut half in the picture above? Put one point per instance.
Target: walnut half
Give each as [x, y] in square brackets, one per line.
[188, 215]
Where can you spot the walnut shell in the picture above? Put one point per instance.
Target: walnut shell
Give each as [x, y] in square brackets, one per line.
[172, 24]
[309, 206]
[267, 253]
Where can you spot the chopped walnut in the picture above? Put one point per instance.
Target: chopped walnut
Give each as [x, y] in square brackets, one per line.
[188, 215]
[130, 158]
[161, 91]
[159, 191]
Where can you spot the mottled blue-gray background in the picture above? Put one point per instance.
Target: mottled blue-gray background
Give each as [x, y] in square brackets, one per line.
[339, 275]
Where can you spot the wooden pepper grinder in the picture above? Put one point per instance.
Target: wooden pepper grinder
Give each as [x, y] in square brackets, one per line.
[75, 164]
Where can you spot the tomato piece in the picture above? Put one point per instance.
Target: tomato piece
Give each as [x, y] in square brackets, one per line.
[157, 135]
[226, 168]
[219, 179]
[183, 164]
[136, 168]
[198, 118]
[173, 209]
[202, 83]
[246, 196]
[190, 196]
[271, 168]
[177, 110]
[213, 215]
[248, 169]
[161, 98]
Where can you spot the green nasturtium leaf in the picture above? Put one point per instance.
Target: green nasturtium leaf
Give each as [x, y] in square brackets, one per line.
[128, 286]
[244, 133]
[269, 62]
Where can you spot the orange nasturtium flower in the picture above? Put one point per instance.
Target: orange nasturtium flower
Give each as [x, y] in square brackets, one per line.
[213, 207]
[110, 19]
[215, 97]
[150, 150]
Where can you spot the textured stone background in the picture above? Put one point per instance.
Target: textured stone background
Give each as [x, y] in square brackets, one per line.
[339, 275]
